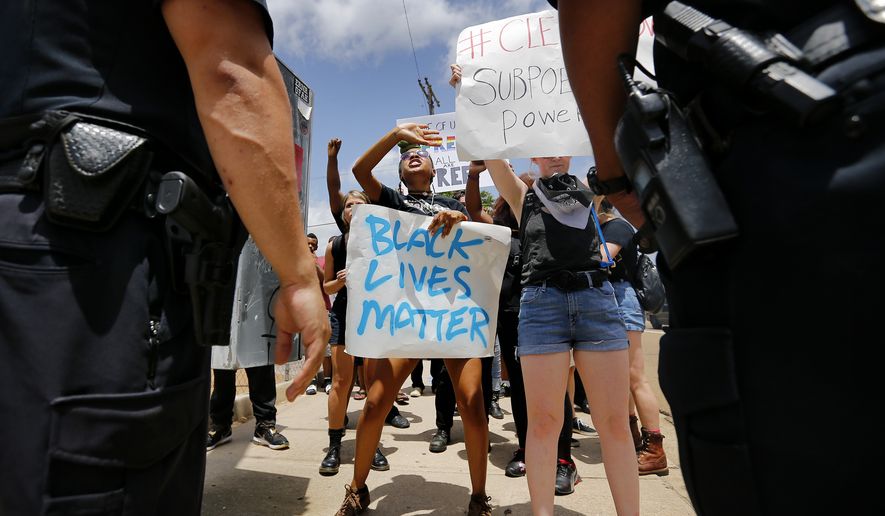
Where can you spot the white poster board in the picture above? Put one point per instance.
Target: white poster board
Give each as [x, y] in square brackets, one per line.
[514, 99]
[450, 172]
[411, 294]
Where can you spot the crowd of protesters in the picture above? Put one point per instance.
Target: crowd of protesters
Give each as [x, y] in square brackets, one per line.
[568, 318]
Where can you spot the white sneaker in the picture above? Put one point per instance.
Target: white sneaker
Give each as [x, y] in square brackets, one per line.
[311, 389]
[328, 387]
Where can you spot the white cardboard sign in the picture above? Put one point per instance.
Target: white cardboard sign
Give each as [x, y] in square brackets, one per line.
[411, 294]
[514, 99]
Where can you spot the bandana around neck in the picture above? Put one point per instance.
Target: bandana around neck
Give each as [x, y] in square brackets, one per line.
[566, 198]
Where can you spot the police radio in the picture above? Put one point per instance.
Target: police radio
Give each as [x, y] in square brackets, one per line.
[668, 170]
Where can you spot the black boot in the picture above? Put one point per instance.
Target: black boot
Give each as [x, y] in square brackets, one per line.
[494, 408]
[330, 463]
[379, 462]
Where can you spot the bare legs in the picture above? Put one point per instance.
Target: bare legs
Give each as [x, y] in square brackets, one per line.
[342, 382]
[607, 378]
[643, 395]
[385, 378]
[545, 418]
[466, 378]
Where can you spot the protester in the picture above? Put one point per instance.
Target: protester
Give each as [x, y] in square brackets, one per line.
[262, 395]
[117, 359]
[508, 321]
[567, 308]
[342, 379]
[313, 244]
[619, 236]
[416, 173]
[336, 206]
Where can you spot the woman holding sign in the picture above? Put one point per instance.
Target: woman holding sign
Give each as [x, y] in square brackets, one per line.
[416, 173]
[568, 306]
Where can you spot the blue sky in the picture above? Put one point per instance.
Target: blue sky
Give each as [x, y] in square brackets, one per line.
[356, 56]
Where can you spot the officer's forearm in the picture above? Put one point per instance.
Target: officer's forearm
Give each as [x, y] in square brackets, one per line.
[246, 117]
[249, 131]
[594, 33]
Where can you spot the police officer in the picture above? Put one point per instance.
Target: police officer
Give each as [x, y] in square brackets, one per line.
[773, 328]
[103, 390]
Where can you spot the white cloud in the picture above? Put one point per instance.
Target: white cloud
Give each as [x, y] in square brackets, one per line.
[359, 30]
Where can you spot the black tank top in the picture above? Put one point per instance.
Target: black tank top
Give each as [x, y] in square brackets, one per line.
[109, 58]
[548, 246]
[339, 262]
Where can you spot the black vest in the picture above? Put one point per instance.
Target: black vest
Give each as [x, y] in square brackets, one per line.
[548, 246]
[339, 262]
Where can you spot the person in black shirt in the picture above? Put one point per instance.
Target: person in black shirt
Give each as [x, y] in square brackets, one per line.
[416, 173]
[342, 363]
[567, 308]
[508, 324]
[619, 238]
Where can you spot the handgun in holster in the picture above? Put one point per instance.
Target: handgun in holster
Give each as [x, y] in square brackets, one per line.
[658, 148]
[206, 236]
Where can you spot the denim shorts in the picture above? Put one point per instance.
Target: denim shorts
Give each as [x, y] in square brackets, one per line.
[553, 320]
[337, 322]
[628, 306]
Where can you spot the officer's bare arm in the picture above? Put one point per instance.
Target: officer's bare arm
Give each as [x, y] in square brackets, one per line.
[246, 116]
[594, 33]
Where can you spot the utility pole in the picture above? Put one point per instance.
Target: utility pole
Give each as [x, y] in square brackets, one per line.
[429, 95]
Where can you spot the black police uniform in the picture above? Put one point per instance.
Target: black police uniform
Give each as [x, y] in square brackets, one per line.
[102, 389]
[770, 361]
[772, 358]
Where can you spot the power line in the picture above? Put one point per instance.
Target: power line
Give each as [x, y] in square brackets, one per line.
[414, 55]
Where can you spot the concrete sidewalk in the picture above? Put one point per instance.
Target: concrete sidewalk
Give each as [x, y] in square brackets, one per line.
[244, 479]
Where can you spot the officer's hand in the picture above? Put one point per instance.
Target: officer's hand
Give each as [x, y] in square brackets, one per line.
[456, 74]
[301, 309]
[445, 220]
[334, 147]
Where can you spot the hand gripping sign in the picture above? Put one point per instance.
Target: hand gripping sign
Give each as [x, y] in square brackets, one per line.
[514, 99]
[412, 294]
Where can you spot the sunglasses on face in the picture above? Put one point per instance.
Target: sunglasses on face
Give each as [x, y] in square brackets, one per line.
[409, 155]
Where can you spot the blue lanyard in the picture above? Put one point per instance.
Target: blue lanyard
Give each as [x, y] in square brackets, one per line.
[608, 255]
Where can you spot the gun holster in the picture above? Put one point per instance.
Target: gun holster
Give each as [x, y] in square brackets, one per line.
[90, 169]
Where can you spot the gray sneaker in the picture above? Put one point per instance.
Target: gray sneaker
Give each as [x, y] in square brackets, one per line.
[268, 436]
